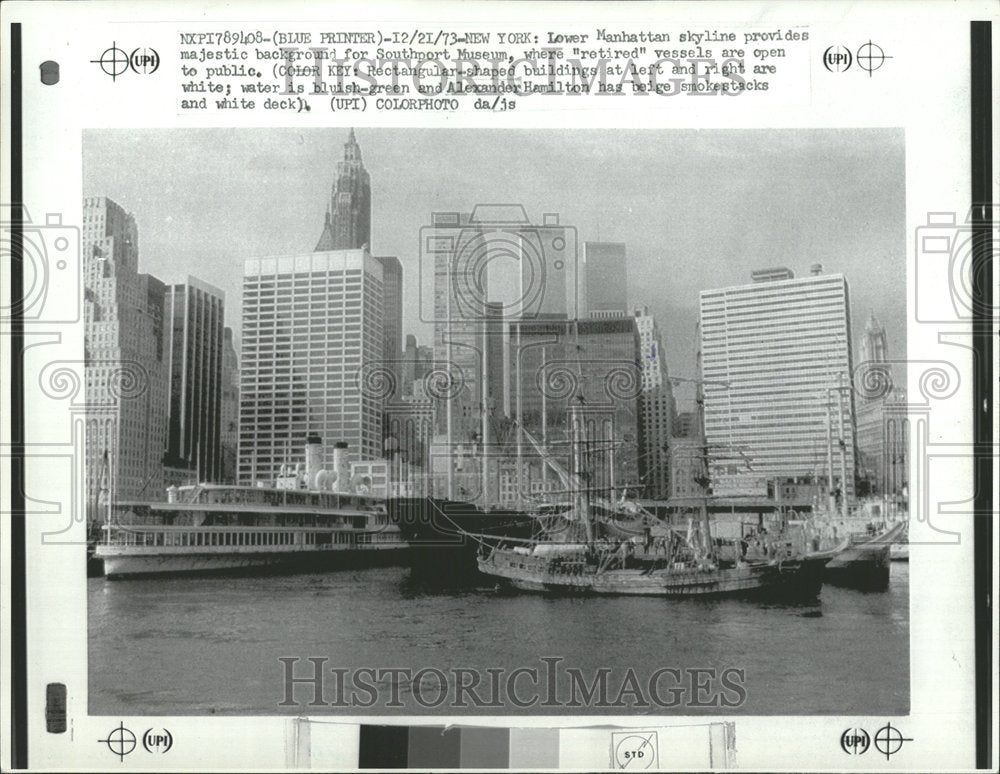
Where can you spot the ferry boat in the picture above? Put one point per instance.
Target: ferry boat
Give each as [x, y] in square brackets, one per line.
[208, 528]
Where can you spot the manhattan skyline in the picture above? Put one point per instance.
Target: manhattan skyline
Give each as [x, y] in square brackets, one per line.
[696, 209]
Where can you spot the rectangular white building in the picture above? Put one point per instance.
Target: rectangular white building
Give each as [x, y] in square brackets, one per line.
[312, 358]
[770, 352]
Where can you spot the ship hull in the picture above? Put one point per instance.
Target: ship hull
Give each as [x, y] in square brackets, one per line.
[439, 530]
[136, 562]
[865, 564]
[800, 578]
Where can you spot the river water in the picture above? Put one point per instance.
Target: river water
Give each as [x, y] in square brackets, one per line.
[212, 645]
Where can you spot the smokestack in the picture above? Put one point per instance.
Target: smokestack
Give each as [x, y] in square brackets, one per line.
[314, 459]
[342, 468]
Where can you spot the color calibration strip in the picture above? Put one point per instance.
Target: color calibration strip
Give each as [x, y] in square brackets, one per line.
[438, 747]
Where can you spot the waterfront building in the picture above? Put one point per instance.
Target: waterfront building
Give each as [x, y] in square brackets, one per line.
[194, 342]
[686, 467]
[124, 359]
[656, 405]
[776, 363]
[311, 359]
[349, 213]
[409, 430]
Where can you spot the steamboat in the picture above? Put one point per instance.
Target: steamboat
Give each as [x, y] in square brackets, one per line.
[304, 522]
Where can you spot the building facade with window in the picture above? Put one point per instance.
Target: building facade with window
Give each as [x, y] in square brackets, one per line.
[311, 358]
[776, 363]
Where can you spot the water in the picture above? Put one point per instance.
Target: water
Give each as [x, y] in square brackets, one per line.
[211, 645]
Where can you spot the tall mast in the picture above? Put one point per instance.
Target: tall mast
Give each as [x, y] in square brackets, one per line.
[706, 525]
[485, 424]
[545, 421]
[830, 501]
[843, 448]
[582, 495]
[450, 456]
[520, 419]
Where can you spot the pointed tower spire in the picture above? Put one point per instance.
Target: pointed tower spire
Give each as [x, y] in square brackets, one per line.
[326, 241]
[348, 218]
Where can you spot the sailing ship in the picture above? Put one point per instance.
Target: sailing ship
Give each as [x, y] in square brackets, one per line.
[595, 546]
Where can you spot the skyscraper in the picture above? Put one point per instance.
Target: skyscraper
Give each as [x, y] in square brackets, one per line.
[194, 325]
[466, 247]
[555, 361]
[874, 346]
[417, 361]
[229, 430]
[125, 376]
[349, 214]
[883, 443]
[656, 405]
[392, 325]
[776, 364]
[459, 316]
[882, 425]
[606, 279]
[312, 353]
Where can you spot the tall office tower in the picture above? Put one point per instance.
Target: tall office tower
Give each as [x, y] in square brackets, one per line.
[392, 288]
[229, 430]
[776, 363]
[874, 346]
[465, 249]
[194, 325]
[418, 361]
[409, 364]
[125, 368]
[459, 317]
[656, 404]
[606, 279]
[349, 214]
[883, 442]
[311, 358]
[553, 361]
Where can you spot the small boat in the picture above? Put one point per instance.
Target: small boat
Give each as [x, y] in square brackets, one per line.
[864, 561]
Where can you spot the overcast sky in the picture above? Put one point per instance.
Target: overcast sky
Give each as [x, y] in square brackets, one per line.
[696, 209]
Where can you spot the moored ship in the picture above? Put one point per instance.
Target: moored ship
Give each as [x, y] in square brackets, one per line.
[297, 525]
[587, 549]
